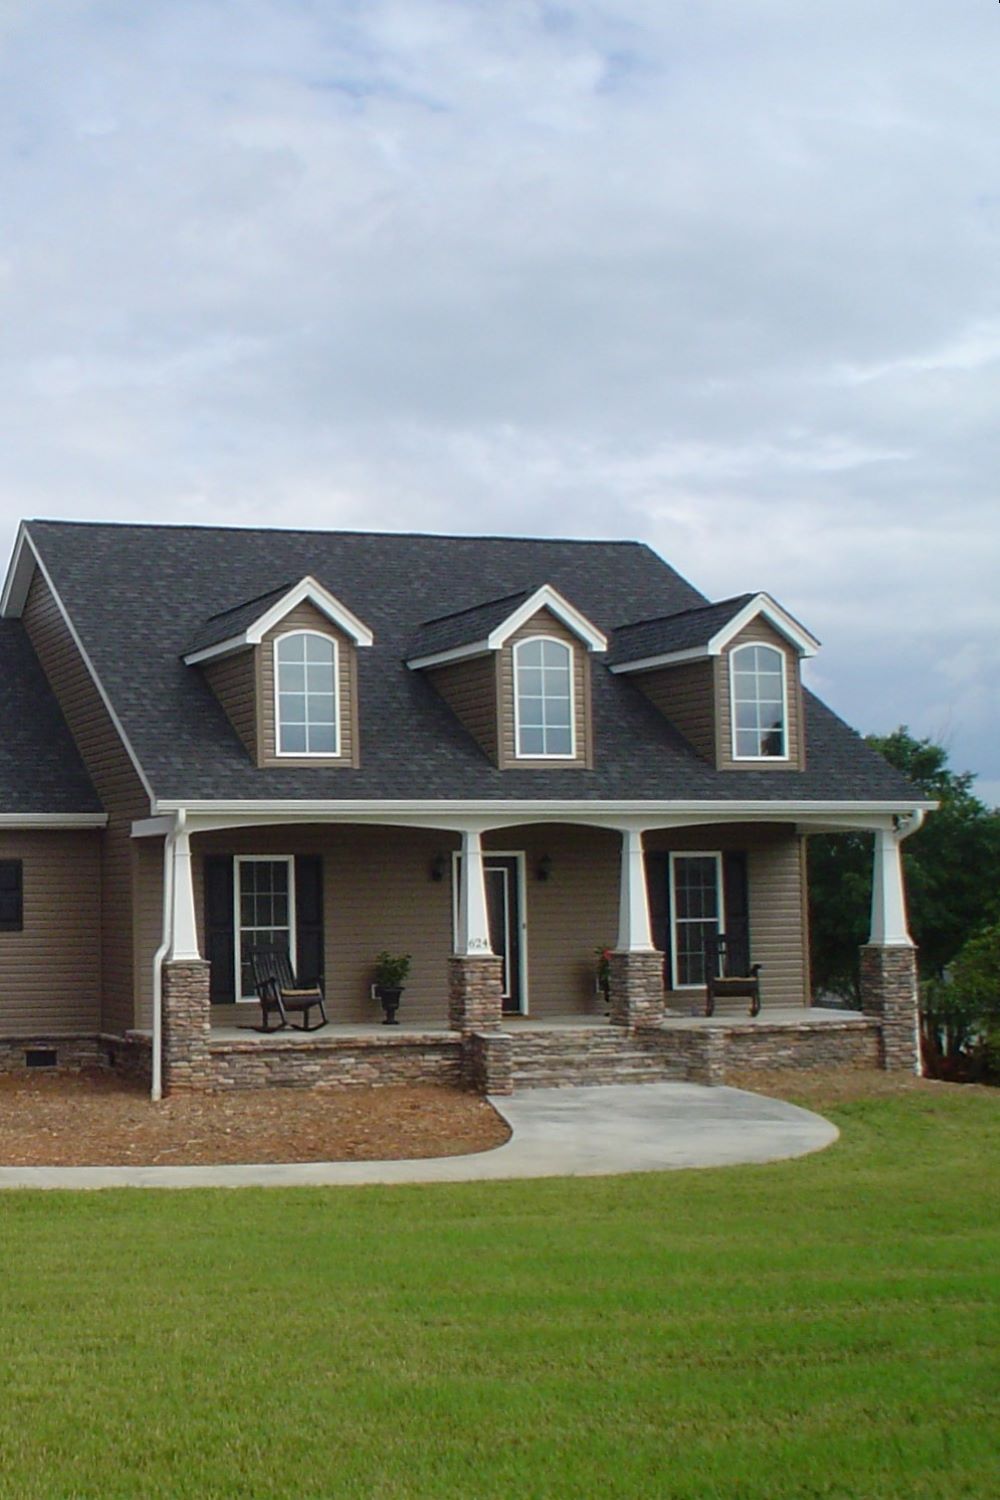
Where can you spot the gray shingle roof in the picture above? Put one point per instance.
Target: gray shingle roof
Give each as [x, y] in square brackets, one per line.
[230, 622]
[40, 768]
[678, 632]
[138, 596]
[463, 627]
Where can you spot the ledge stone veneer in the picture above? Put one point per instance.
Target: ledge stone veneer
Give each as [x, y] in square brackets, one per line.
[889, 992]
[636, 988]
[475, 992]
[186, 1026]
[331, 1061]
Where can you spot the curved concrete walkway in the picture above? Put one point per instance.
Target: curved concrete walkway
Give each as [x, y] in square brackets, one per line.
[575, 1132]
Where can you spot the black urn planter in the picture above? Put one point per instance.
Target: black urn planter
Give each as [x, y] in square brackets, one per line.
[390, 1003]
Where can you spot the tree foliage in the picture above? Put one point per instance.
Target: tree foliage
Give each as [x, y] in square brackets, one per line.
[952, 869]
[960, 1016]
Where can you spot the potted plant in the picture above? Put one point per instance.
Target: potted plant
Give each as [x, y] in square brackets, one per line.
[391, 970]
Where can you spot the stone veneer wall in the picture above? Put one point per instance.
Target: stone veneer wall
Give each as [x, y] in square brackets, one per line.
[73, 1053]
[475, 992]
[636, 988]
[889, 992]
[336, 1061]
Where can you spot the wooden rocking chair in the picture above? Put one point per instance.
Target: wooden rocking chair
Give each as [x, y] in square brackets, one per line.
[728, 971]
[279, 990]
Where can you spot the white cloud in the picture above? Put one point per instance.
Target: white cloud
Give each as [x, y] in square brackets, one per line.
[721, 277]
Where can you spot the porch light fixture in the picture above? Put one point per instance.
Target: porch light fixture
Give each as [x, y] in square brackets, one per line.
[543, 870]
[438, 866]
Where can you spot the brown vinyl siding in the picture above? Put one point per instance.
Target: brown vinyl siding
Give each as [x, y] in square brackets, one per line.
[778, 937]
[307, 617]
[470, 690]
[761, 631]
[377, 893]
[116, 782]
[685, 695]
[233, 680]
[50, 971]
[545, 623]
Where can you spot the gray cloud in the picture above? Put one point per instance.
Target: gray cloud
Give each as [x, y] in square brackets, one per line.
[721, 277]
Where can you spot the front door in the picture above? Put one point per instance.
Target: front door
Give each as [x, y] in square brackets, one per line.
[503, 910]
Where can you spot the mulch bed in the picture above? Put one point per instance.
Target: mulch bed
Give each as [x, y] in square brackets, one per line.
[838, 1085]
[93, 1120]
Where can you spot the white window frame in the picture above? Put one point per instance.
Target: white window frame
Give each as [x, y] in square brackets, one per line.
[759, 759]
[306, 754]
[258, 859]
[544, 755]
[675, 855]
[522, 900]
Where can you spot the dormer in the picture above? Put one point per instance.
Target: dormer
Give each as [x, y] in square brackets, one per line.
[516, 672]
[727, 676]
[283, 665]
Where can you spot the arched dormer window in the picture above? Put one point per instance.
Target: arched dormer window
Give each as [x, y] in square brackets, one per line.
[543, 699]
[307, 711]
[759, 701]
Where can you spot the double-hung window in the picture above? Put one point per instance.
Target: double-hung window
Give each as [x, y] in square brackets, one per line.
[543, 699]
[307, 710]
[759, 703]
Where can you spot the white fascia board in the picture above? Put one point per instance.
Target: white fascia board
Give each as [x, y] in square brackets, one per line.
[667, 659]
[307, 591]
[441, 658]
[487, 814]
[20, 571]
[548, 598]
[91, 670]
[763, 605]
[53, 820]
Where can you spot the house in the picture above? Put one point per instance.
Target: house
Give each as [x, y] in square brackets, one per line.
[496, 754]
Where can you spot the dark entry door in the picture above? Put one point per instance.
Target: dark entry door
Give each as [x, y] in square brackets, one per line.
[503, 910]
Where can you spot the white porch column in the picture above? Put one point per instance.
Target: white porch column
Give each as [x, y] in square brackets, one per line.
[184, 930]
[473, 924]
[633, 907]
[889, 929]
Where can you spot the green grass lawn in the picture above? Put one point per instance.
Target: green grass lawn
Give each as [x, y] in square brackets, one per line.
[825, 1327]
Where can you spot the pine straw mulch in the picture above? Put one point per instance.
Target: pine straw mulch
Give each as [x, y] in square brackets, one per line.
[832, 1086]
[92, 1119]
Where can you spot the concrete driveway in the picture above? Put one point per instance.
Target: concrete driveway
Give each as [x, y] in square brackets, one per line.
[574, 1132]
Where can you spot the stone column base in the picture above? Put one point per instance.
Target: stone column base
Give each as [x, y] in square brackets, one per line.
[889, 992]
[488, 1062]
[636, 989]
[186, 1026]
[475, 992]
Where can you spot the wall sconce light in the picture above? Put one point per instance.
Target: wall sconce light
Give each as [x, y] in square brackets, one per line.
[438, 866]
[543, 869]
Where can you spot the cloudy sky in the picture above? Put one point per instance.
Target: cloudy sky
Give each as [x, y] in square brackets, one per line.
[723, 275]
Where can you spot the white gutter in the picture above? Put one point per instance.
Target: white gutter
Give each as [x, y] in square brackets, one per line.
[550, 810]
[156, 1082]
[53, 820]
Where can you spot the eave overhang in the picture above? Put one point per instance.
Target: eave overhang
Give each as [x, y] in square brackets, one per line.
[545, 597]
[761, 606]
[307, 591]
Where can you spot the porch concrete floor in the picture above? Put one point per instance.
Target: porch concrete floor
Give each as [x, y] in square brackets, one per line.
[788, 1016]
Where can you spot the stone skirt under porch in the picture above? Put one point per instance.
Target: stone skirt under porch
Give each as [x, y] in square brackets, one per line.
[560, 1051]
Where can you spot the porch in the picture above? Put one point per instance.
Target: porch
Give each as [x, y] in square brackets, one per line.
[502, 923]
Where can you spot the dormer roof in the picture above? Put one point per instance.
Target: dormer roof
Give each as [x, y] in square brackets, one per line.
[246, 623]
[487, 626]
[703, 631]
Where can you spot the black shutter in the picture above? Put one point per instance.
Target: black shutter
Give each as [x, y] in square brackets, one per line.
[220, 939]
[658, 889]
[737, 906]
[309, 919]
[11, 895]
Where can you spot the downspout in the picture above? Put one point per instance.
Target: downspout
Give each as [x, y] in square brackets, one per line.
[156, 1084]
[904, 826]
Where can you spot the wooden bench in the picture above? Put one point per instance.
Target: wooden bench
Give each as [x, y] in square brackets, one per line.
[728, 972]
